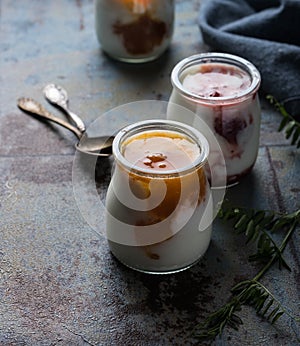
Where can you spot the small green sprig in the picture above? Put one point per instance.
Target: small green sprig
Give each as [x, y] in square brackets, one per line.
[258, 226]
[288, 124]
[252, 292]
[257, 295]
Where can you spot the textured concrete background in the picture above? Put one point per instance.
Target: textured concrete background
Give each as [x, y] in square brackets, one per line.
[59, 285]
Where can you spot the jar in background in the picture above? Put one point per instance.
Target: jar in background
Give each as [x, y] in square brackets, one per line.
[134, 30]
[158, 204]
[221, 90]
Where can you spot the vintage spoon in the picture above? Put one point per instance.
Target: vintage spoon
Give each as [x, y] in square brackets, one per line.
[59, 97]
[100, 146]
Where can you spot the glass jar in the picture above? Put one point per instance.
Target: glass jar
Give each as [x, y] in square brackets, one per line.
[134, 30]
[221, 90]
[158, 204]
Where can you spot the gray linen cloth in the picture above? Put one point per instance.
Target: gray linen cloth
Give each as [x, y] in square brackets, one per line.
[265, 32]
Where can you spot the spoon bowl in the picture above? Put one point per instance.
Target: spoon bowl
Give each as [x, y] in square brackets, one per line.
[58, 96]
[99, 146]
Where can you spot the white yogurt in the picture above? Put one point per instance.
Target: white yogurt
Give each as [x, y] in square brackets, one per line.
[134, 30]
[221, 90]
[158, 205]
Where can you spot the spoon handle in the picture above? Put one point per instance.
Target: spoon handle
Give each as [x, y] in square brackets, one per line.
[32, 106]
[79, 123]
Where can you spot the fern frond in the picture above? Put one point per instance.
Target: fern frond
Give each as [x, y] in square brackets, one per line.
[215, 323]
[252, 292]
[257, 226]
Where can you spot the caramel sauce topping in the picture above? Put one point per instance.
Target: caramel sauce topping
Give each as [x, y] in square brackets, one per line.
[141, 35]
[158, 151]
[136, 6]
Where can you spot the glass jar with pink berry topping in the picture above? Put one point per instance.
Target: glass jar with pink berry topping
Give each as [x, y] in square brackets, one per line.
[222, 92]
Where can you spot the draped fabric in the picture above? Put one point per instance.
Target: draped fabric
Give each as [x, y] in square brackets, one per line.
[265, 32]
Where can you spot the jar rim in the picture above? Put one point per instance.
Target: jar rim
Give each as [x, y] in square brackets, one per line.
[214, 57]
[158, 124]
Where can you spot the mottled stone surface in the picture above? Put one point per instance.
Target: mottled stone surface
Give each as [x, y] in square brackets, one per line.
[59, 284]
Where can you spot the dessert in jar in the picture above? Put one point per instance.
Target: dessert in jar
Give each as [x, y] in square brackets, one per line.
[134, 30]
[158, 204]
[221, 90]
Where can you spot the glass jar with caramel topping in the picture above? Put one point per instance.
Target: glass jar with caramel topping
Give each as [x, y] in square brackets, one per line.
[134, 30]
[158, 204]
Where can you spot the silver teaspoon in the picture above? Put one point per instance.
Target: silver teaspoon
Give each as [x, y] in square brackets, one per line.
[99, 146]
[58, 96]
